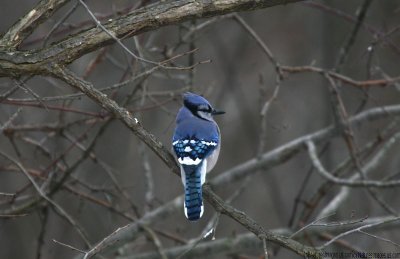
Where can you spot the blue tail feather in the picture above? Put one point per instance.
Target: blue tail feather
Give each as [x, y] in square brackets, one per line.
[193, 191]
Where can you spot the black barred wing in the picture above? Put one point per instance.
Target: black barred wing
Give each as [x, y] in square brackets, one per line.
[193, 151]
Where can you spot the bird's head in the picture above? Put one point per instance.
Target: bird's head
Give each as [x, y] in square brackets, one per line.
[199, 106]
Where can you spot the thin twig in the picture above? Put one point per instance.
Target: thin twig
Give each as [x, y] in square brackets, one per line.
[355, 230]
[348, 182]
[10, 120]
[69, 246]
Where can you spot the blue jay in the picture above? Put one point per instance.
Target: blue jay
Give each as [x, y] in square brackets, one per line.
[196, 143]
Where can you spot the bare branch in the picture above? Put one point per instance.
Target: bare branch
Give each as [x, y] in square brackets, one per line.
[347, 182]
[58, 208]
[254, 227]
[25, 26]
[151, 17]
[284, 152]
[355, 230]
[344, 79]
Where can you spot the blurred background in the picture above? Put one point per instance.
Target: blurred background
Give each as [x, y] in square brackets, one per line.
[114, 179]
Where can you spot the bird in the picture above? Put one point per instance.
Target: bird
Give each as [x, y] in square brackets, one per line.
[196, 142]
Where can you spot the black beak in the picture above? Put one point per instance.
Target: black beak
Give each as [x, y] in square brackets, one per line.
[216, 112]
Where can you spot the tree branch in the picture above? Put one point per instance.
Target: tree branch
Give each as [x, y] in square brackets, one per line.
[133, 124]
[257, 229]
[160, 14]
[119, 112]
[25, 25]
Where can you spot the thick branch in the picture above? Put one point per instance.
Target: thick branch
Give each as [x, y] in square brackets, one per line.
[258, 230]
[249, 242]
[229, 245]
[133, 124]
[25, 26]
[148, 18]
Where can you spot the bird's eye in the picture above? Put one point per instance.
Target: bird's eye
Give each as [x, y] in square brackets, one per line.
[205, 109]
